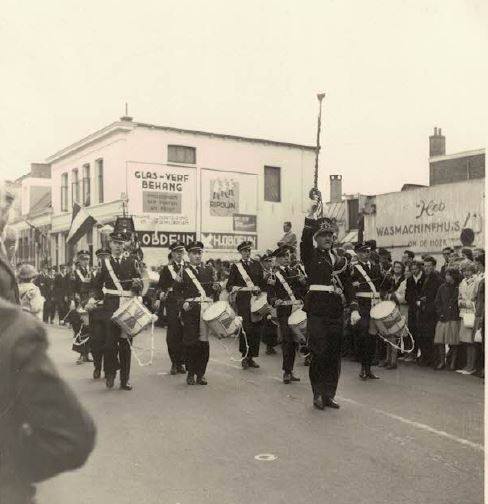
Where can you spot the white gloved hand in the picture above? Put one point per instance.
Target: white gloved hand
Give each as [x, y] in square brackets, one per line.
[186, 306]
[355, 317]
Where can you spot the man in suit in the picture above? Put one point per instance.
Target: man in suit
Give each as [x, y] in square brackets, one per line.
[427, 314]
[446, 254]
[170, 276]
[44, 430]
[119, 279]
[246, 279]
[284, 294]
[412, 297]
[369, 283]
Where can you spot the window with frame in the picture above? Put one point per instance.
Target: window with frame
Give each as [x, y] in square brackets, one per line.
[75, 187]
[272, 184]
[99, 175]
[64, 192]
[86, 184]
[182, 154]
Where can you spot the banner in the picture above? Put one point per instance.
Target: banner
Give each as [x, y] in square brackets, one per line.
[224, 196]
[227, 241]
[167, 193]
[245, 223]
[163, 239]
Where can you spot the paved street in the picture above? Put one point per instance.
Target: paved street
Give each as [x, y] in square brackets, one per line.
[415, 436]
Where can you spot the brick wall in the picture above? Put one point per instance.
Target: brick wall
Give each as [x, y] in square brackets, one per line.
[456, 170]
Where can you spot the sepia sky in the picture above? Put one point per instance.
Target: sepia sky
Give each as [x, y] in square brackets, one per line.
[392, 70]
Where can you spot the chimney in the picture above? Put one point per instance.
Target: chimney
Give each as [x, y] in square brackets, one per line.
[437, 143]
[335, 188]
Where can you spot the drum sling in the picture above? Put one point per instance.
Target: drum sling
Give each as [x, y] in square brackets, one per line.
[204, 303]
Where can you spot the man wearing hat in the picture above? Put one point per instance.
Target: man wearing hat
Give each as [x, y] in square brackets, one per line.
[245, 280]
[196, 290]
[285, 296]
[330, 288]
[368, 282]
[408, 257]
[97, 316]
[446, 254]
[119, 279]
[169, 277]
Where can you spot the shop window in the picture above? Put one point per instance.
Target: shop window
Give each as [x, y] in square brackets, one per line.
[182, 154]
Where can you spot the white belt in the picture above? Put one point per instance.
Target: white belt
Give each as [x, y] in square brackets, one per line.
[325, 288]
[280, 302]
[199, 300]
[368, 295]
[115, 292]
[243, 289]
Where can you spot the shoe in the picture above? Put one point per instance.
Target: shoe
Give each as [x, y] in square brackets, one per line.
[125, 386]
[286, 378]
[294, 378]
[109, 380]
[318, 402]
[440, 366]
[330, 403]
[96, 374]
[181, 369]
[245, 364]
[370, 375]
[362, 373]
[391, 366]
[79, 360]
[202, 381]
[382, 363]
[173, 370]
[253, 364]
[190, 380]
[270, 350]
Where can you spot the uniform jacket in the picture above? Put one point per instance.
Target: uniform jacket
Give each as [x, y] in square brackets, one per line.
[43, 428]
[187, 290]
[80, 287]
[427, 295]
[321, 270]
[278, 292]
[255, 272]
[379, 279]
[412, 293]
[167, 284]
[126, 272]
[61, 286]
[446, 302]
[8, 283]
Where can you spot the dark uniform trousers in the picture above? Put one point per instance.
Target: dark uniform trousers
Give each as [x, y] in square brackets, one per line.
[116, 351]
[288, 344]
[366, 341]
[174, 334]
[197, 352]
[97, 337]
[325, 343]
[252, 329]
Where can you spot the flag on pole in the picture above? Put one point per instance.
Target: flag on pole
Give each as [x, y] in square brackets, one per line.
[81, 223]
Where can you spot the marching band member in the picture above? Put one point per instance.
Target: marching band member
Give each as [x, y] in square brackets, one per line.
[324, 306]
[80, 286]
[97, 316]
[196, 289]
[170, 275]
[270, 330]
[119, 278]
[283, 295]
[367, 279]
[246, 279]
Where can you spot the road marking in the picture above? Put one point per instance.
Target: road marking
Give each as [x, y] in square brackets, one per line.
[266, 457]
[406, 421]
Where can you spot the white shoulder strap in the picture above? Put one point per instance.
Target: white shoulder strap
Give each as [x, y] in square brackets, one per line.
[286, 286]
[112, 274]
[196, 282]
[366, 277]
[82, 278]
[172, 271]
[245, 276]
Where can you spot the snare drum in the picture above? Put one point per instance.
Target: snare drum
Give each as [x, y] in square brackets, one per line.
[259, 306]
[132, 317]
[388, 319]
[297, 322]
[221, 319]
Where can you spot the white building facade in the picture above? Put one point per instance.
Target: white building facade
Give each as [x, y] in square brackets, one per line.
[180, 184]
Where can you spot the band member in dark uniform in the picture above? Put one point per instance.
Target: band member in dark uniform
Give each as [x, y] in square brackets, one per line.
[283, 295]
[169, 277]
[270, 330]
[330, 279]
[369, 283]
[97, 316]
[119, 279]
[245, 280]
[196, 289]
[80, 287]
[61, 292]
